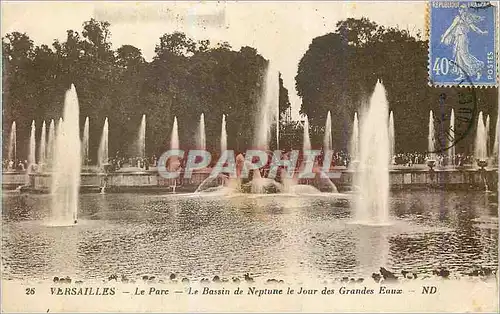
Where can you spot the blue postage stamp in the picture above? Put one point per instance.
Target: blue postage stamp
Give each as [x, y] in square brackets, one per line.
[462, 44]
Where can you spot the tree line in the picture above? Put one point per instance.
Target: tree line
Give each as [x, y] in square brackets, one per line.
[340, 69]
[184, 79]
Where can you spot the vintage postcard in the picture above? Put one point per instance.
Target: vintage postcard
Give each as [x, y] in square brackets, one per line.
[287, 156]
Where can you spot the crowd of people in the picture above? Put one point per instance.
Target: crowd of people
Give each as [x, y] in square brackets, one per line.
[115, 163]
[415, 158]
[145, 163]
[14, 165]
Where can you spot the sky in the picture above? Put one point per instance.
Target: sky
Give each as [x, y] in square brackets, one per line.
[280, 31]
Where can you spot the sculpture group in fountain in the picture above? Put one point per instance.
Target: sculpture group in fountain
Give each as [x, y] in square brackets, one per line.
[249, 177]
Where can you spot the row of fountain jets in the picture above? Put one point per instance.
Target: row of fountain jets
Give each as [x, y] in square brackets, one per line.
[47, 143]
[63, 149]
[482, 140]
[47, 140]
[371, 146]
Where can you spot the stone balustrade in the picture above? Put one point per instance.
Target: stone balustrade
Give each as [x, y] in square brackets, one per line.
[151, 180]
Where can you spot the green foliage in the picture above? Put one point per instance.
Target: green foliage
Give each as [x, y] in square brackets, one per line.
[185, 78]
[340, 69]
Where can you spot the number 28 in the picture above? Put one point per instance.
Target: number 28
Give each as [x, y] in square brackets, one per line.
[30, 291]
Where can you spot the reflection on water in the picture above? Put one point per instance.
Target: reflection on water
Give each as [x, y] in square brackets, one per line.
[276, 236]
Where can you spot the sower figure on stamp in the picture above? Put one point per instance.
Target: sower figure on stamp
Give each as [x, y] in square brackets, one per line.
[458, 36]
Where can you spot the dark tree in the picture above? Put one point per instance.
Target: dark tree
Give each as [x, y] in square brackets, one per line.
[339, 71]
[185, 78]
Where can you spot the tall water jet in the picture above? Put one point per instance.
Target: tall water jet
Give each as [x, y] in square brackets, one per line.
[487, 127]
[174, 137]
[372, 176]
[223, 135]
[174, 162]
[32, 148]
[480, 149]
[495, 143]
[12, 153]
[85, 142]
[268, 112]
[355, 139]
[51, 138]
[58, 130]
[267, 104]
[103, 153]
[59, 126]
[43, 146]
[327, 139]
[392, 143]
[67, 164]
[202, 138]
[451, 139]
[431, 137]
[278, 118]
[141, 140]
[306, 139]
